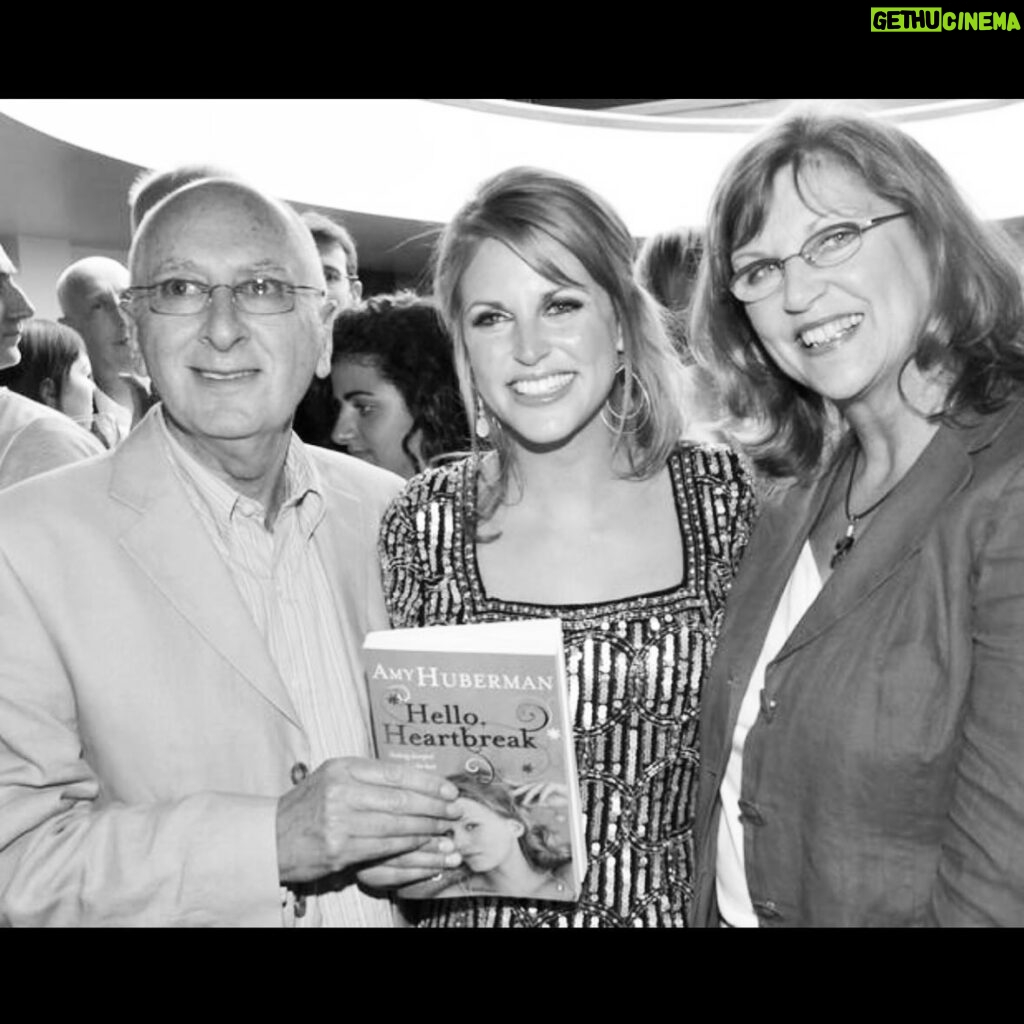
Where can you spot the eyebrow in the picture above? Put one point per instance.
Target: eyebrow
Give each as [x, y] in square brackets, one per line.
[548, 295]
[819, 223]
[349, 395]
[174, 264]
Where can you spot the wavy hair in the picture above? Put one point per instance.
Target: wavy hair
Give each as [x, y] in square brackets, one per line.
[974, 329]
[537, 214]
[540, 847]
[403, 338]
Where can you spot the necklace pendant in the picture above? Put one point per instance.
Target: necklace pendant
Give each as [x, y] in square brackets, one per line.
[842, 549]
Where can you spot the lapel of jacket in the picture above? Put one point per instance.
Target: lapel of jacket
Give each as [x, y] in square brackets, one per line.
[901, 524]
[171, 546]
[778, 537]
[341, 544]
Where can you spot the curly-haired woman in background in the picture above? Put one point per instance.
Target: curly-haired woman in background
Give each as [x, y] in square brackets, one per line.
[393, 375]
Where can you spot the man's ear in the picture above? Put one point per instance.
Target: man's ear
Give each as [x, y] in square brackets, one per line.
[356, 287]
[48, 392]
[327, 318]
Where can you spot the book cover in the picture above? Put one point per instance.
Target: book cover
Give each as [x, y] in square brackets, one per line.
[487, 706]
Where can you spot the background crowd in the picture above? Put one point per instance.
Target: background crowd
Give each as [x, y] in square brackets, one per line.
[768, 474]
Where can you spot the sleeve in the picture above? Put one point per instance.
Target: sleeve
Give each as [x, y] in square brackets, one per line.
[744, 509]
[729, 507]
[403, 571]
[980, 877]
[45, 444]
[69, 855]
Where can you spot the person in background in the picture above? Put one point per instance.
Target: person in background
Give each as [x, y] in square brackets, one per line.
[184, 738]
[89, 293]
[33, 437]
[863, 725]
[581, 501]
[394, 380]
[667, 266]
[338, 257]
[54, 369]
[316, 414]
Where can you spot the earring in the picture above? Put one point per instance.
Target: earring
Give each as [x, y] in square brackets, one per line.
[483, 424]
[628, 421]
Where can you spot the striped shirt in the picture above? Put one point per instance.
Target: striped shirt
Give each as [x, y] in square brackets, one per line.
[282, 580]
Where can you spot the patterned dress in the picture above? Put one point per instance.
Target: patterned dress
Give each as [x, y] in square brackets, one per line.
[635, 669]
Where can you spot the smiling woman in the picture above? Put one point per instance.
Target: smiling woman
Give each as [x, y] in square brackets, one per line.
[863, 732]
[581, 501]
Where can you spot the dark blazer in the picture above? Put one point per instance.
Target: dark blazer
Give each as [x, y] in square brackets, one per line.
[883, 780]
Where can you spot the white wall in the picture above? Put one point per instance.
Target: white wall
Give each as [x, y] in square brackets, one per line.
[40, 261]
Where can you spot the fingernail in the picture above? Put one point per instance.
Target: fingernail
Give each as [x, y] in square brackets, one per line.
[453, 860]
[445, 845]
[449, 790]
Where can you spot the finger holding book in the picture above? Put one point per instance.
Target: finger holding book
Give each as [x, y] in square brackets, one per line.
[435, 859]
[354, 810]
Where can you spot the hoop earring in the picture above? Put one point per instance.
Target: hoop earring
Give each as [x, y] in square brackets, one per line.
[628, 421]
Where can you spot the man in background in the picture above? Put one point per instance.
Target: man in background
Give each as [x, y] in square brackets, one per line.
[89, 294]
[338, 257]
[33, 437]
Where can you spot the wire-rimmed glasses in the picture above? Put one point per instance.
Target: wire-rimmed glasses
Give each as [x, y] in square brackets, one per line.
[179, 296]
[825, 248]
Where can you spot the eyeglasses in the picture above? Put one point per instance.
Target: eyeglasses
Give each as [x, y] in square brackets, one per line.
[178, 296]
[826, 248]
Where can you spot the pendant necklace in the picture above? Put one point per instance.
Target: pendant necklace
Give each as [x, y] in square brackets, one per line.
[843, 545]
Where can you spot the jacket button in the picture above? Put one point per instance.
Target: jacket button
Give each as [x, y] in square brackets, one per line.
[768, 705]
[766, 909]
[299, 772]
[750, 814]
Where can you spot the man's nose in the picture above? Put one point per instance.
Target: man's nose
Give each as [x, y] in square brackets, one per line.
[224, 327]
[16, 303]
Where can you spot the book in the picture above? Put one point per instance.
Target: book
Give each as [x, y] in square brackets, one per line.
[487, 706]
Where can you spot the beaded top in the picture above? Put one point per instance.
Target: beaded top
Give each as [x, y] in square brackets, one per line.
[635, 667]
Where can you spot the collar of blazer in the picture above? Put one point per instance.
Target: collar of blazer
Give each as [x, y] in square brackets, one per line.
[897, 532]
[900, 526]
[171, 546]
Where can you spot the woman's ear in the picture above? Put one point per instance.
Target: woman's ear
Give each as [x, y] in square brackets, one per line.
[48, 392]
[518, 828]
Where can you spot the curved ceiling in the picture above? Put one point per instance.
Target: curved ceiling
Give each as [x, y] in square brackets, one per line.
[418, 160]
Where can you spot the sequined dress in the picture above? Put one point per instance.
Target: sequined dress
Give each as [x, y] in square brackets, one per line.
[635, 669]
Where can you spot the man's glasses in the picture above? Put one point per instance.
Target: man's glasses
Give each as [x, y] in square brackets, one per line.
[826, 248]
[179, 296]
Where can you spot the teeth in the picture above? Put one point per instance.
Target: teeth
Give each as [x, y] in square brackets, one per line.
[541, 385]
[815, 336]
[235, 375]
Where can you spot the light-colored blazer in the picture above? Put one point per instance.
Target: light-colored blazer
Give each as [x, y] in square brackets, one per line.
[145, 734]
[883, 780]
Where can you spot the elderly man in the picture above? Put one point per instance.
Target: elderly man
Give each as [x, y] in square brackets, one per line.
[33, 437]
[183, 727]
[89, 293]
[150, 186]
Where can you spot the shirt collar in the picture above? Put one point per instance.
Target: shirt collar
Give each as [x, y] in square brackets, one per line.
[303, 490]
